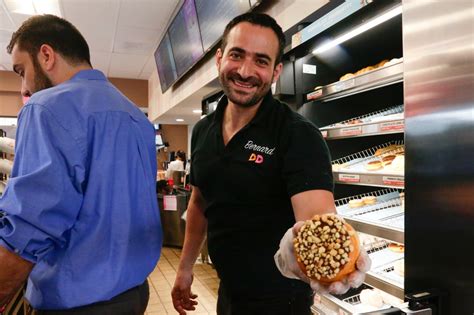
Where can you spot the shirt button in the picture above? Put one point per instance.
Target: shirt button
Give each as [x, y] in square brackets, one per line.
[16, 250]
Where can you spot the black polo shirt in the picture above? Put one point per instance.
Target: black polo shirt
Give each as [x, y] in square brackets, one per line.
[247, 185]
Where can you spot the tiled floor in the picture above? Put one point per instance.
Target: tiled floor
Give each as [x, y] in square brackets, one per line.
[161, 280]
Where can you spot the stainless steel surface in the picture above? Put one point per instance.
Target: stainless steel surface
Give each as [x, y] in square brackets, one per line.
[386, 232]
[173, 225]
[365, 129]
[438, 45]
[380, 283]
[361, 83]
[383, 219]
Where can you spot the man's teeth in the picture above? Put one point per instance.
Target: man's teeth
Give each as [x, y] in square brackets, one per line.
[242, 84]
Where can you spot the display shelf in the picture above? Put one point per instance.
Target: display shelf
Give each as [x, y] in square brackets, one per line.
[367, 81]
[382, 274]
[384, 219]
[381, 122]
[349, 303]
[352, 169]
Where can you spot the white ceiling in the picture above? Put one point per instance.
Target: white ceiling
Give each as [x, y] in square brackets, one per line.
[122, 34]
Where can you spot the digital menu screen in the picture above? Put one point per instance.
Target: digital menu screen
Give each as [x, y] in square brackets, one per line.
[213, 16]
[185, 38]
[165, 64]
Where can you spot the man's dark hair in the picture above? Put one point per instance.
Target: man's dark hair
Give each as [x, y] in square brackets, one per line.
[259, 19]
[54, 31]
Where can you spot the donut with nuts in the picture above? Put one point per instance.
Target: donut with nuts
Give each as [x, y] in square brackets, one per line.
[326, 248]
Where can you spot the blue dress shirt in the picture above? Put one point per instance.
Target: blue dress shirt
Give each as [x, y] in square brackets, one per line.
[81, 201]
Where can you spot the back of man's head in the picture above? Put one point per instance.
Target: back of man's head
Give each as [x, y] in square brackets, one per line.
[54, 31]
[260, 19]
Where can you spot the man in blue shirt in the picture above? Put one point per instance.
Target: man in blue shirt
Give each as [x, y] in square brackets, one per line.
[79, 217]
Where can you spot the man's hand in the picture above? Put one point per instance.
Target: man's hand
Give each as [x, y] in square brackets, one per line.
[285, 260]
[183, 299]
[13, 272]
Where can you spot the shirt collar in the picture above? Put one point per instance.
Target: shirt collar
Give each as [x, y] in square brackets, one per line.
[262, 111]
[89, 74]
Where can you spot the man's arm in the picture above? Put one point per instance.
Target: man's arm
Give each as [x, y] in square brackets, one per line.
[13, 272]
[196, 226]
[309, 203]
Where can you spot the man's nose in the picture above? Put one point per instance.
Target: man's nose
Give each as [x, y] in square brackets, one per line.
[245, 69]
[25, 91]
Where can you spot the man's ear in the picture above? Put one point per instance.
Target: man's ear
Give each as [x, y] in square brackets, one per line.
[277, 72]
[46, 57]
[219, 54]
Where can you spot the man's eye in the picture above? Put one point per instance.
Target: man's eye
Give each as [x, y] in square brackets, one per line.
[262, 62]
[234, 55]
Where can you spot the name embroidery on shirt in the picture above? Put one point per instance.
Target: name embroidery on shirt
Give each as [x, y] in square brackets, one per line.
[259, 148]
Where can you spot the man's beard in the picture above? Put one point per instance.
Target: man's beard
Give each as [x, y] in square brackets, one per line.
[41, 80]
[240, 99]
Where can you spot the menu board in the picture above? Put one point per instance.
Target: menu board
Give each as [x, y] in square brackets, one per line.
[185, 38]
[165, 64]
[213, 16]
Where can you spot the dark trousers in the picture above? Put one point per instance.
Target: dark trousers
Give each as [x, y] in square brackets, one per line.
[288, 304]
[131, 302]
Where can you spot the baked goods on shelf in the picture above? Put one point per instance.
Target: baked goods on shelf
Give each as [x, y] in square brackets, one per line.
[371, 297]
[326, 248]
[389, 148]
[346, 76]
[369, 200]
[356, 203]
[398, 163]
[397, 248]
[380, 64]
[387, 160]
[374, 165]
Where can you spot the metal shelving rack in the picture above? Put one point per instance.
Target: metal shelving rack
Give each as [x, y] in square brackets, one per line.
[381, 122]
[350, 169]
[384, 219]
[367, 81]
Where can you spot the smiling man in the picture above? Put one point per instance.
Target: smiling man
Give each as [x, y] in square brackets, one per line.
[79, 216]
[258, 167]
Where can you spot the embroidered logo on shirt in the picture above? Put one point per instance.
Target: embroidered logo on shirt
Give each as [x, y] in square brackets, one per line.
[257, 158]
[259, 148]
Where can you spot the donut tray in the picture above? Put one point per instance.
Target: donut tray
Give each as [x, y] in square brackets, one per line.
[384, 219]
[389, 120]
[351, 169]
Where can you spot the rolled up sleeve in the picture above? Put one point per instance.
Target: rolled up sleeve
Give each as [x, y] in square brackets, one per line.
[44, 194]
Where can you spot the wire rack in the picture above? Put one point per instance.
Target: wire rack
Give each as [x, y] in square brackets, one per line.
[368, 154]
[378, 193]
[370, 116]
[353, 300]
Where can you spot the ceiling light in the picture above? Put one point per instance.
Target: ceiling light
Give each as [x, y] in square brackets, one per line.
[197, 111]
[20, 6]
[360, 29]
[179, 119]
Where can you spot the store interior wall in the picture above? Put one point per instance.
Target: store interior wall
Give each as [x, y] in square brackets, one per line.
[10, 97]
[194, 85]
[11, 101]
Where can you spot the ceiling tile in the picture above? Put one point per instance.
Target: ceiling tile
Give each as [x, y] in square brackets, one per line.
[19, 18]
[123, 65]
[5, 37]
[152, 14]
[101, 61]
[132, 40]
[150, 66]
[96, 20]
[5, 22]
